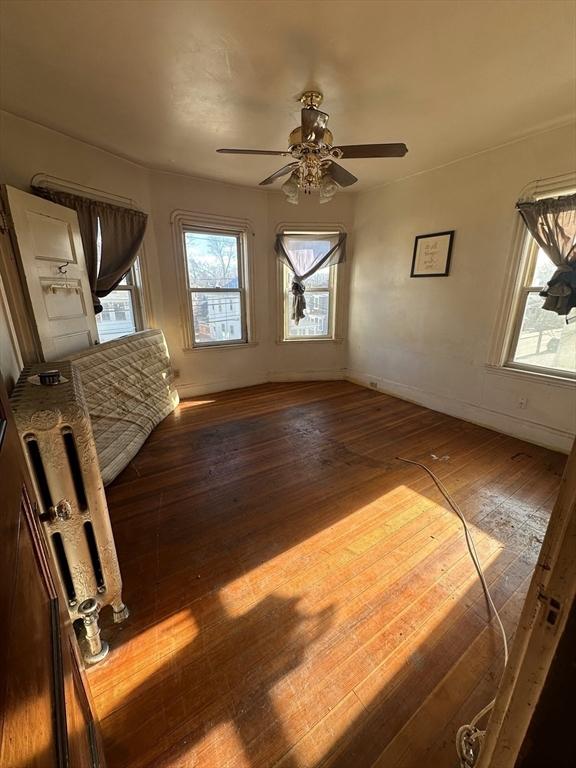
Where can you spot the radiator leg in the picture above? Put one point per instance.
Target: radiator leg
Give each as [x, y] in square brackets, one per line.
[120, 611]
[97, 648]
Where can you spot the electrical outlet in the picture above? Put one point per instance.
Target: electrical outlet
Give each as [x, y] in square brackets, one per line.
[522, 402]
[373, 384]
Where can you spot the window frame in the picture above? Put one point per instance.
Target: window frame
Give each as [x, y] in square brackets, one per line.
[524, 291]
[524, 254]
[334, 290]
[186, 221]
[134, 288]
[238, 236]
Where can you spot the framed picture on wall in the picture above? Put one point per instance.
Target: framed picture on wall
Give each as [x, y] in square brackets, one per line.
[432, 255]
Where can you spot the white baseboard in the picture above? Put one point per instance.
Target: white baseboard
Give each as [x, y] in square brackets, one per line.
[326, 375]
[194, 389]
[532, 432]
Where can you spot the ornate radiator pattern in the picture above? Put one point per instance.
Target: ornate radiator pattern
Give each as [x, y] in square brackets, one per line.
[56, 432]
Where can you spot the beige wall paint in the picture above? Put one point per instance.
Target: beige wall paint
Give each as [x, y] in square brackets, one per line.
[317, 358]
[209, 370]
[425, 340]
[428, 340]
[27, 149]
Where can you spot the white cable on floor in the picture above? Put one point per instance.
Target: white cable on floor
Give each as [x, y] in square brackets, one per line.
[469, 737]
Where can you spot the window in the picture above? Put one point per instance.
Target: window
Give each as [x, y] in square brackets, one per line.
[542, 339]
[320, 295]
[215, 272]
[118, 316]
[539, 340]
[122, 312]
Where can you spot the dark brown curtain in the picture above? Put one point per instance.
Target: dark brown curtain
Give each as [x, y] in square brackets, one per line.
[121, 230]
[552, 223]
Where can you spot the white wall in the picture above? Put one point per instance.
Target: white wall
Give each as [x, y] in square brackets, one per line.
[27, 149]
[428, 340]
[425, 340]
[315, 359]
[210, 370]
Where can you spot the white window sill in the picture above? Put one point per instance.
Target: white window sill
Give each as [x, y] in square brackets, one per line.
[534, 376]
[309, 340]
[234, 345]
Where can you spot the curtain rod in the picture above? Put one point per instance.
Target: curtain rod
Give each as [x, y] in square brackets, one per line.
[540, 188]
[47, 181]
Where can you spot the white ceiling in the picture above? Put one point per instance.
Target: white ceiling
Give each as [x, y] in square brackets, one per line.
[167, 82]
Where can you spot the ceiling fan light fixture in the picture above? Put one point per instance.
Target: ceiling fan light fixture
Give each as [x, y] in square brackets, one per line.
[290, 189]
[311, 146]
[328, 189]
[309, 173]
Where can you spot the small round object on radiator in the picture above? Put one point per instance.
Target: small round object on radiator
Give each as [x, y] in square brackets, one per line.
[49, 378]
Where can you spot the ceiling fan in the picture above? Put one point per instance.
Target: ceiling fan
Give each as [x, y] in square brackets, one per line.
[314, 167]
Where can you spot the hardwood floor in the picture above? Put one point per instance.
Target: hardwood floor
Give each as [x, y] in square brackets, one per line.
[299, 598]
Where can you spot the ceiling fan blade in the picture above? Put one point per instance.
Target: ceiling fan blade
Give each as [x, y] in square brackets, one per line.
[314, 124]
[353, 151]
[253, 152]
[340, 175]
[281, 172]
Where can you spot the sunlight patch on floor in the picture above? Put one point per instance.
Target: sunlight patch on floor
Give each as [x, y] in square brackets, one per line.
[173, 635]
[390, 668]
[285, 574]
[220, 746]
[187, 404]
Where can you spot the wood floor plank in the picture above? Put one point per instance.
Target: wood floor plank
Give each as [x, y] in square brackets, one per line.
[292, 585]
[446, 699]
[390, 537]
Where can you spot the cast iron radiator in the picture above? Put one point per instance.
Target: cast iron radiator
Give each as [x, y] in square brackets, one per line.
[56, 432]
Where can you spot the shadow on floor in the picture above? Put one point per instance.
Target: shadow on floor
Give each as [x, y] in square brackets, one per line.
[233, 493]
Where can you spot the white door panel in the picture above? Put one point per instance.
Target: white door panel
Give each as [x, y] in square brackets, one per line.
[51, 261]
[52, 238]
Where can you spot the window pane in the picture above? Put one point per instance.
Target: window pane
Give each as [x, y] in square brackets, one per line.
[117, 316]
[543, 270]
[306, 249]
[545, 339]
[317, 319]
[320, 279]
[217, 317]
[212, 260]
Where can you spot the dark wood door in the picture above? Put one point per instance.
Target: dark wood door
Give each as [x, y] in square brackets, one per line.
[45, 713]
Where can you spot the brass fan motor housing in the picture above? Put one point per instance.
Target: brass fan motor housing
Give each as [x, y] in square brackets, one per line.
[296, 137]
[311, 99]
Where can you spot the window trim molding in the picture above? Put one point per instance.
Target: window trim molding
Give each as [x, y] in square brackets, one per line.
[339, 316]
[507, 322]
[182, 220]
